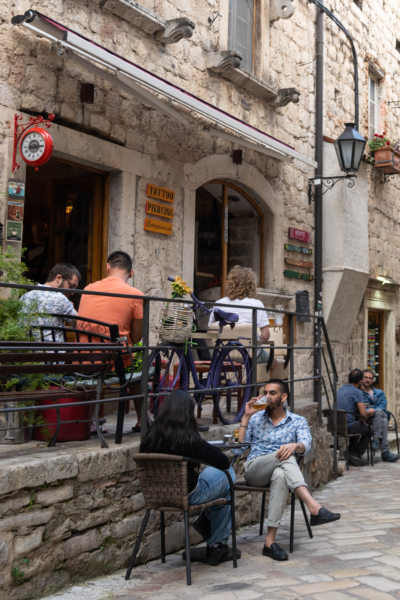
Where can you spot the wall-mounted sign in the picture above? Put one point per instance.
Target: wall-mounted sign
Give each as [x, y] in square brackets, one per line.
[299, 234]
[298, 275]
[15, 210]
[297, 262]
[160, 210]
[14, 231]
[16, 189]
[300, 249]
[155, 191]
[158, 226]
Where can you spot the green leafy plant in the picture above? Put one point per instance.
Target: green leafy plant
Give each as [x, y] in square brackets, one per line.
[12, 324]
[378, 141]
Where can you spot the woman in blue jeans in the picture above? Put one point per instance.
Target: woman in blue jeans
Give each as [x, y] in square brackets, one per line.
[174, 431]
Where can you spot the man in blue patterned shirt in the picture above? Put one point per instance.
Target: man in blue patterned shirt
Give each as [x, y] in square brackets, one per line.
[276, 436]
[44, 302]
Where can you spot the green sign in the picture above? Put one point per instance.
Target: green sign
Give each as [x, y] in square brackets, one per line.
[298, 275]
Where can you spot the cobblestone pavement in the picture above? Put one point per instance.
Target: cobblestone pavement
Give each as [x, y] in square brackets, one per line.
[356, 557]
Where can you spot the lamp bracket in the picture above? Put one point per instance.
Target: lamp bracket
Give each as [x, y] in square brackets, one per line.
[328, 183]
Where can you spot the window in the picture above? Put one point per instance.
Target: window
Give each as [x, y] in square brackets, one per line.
[373, 105]
[242, 30]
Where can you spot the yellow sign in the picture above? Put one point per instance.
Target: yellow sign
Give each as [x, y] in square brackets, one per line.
[154, 191]
[157, 226]
[160, 210]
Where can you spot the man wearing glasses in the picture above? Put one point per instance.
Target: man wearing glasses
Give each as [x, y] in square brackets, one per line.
[44, 302]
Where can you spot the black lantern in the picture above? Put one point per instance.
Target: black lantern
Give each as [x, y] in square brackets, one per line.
[349, 149]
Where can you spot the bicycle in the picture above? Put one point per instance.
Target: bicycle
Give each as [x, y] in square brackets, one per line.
[172, 366]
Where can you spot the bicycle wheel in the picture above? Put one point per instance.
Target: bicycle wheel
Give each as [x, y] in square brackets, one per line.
[167, 372]
[232, 369]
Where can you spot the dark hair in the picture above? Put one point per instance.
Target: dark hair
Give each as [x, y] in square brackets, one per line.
[174, 430]
[355, 376]
[66, 270]
[370, 371]
[283, 386]
[120, 260]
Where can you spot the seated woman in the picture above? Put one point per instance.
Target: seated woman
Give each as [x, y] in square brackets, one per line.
[174, 431]
[241, 288]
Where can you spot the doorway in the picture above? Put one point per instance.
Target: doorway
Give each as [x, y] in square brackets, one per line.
[66, 220]
[230, 230]
[375, 353]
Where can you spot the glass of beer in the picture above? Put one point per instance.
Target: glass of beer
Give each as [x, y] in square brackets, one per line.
[261, 403]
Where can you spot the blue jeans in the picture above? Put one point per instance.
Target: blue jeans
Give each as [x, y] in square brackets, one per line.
[213, 484]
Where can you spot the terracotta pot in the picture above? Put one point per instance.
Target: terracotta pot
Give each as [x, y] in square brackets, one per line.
[387, 159]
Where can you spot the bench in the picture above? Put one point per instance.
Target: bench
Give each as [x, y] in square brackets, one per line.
[73, 369]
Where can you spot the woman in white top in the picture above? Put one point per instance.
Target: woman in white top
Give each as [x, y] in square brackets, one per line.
[241, 287]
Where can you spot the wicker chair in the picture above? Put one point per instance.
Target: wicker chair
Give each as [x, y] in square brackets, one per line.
[164, 481]
[341, 430]
[242, 486]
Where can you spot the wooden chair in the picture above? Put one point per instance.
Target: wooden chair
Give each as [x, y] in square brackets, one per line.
[164, 481]
[243, 486]
[342, 432]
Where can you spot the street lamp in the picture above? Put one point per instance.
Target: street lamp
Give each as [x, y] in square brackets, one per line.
[349, 149]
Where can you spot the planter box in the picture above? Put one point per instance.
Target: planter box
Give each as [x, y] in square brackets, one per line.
[78, 427]
[388, 160]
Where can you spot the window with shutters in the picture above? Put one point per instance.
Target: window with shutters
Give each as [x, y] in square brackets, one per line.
[241, 33]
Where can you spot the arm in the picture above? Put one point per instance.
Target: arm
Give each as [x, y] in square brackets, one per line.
[265, 334]
[302, 444]
[249, 411]
[136, 330]
[363, 411]
[380, 402]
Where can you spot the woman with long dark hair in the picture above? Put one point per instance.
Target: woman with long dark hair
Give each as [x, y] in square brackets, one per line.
[174, 431]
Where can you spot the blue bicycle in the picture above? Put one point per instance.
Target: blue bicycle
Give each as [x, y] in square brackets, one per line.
[220, 380]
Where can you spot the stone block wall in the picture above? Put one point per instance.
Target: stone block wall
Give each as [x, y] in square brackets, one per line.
[72, 513]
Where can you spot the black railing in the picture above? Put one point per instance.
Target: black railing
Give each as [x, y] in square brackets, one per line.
[289, 352]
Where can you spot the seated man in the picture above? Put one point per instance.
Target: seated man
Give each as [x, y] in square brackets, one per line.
[62, 275]
[350, 399]
[276, 435]
[375, 401]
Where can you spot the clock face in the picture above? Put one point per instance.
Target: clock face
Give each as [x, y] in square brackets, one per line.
[36, 146]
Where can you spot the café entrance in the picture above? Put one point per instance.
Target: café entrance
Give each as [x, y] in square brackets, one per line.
[66, 219]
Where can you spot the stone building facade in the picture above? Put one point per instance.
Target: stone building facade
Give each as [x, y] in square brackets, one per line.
[230, 93]
[236, 191]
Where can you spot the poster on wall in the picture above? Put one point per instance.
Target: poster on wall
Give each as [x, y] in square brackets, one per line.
[15, 210]
[16, 189]
[14, 231]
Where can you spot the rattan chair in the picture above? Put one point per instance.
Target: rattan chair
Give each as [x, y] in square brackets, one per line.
[341, 429]
[164, 483]
[242, 486]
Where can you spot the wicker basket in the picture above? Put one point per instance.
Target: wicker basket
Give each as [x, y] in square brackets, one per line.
[176, 321]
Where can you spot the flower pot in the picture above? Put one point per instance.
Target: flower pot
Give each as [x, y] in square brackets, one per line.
[387, 160]
[79, 417]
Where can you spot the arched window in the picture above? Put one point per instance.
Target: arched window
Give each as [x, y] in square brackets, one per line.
[229, 231]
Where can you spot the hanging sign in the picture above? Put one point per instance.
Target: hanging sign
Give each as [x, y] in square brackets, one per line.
[297, 262]
[14, 231]
[16, 189]
[15, 210]
[160, 210]
[298, 275]
[299, 234]
[300, 249]
[157, 226]
[155, 191]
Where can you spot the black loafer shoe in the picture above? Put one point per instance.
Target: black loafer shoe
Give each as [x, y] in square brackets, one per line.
[324, 516]
[275, 552]
[357, 461]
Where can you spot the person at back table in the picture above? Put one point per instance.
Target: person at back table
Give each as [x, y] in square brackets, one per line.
[241, 288]
[351, 399]
[62, 275]
[127, 313]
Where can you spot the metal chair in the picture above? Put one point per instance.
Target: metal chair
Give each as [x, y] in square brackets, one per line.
[341, 431]
[242, 486]
[164, 483]
[390, 415]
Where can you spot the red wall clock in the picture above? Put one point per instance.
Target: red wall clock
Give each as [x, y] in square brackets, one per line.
[36, 146]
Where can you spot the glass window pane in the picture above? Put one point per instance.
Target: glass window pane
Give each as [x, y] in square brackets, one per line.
[240, 36]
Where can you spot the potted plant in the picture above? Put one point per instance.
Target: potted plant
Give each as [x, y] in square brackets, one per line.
[386, 155]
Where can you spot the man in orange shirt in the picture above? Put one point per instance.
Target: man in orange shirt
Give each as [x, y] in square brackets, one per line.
[127, 313]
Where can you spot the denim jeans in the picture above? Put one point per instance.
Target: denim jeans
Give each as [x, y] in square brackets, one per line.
[213, 484]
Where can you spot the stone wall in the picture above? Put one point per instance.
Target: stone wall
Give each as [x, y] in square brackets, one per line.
[74, 511]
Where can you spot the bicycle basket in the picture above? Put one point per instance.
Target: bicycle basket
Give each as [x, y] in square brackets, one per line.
[176, 321]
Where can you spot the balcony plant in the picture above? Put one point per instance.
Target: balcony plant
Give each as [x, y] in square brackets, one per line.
[386, 155]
